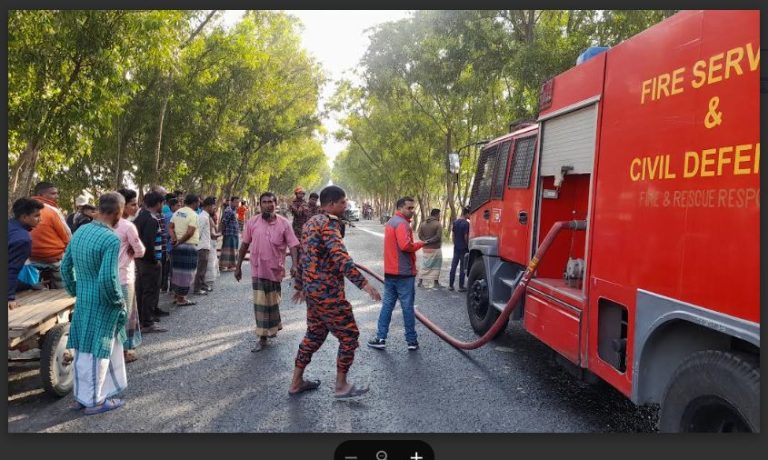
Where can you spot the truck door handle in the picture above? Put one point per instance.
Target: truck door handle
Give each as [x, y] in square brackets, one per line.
[487, 214]
[522, 217]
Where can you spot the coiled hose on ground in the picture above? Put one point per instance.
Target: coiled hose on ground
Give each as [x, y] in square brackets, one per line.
[514, 300]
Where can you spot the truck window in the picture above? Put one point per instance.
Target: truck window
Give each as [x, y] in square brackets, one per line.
[481, 188]
[522, 161]
[497, 192]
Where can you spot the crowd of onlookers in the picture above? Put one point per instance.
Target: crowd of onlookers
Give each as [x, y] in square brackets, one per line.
[119, 256]
[168, 245]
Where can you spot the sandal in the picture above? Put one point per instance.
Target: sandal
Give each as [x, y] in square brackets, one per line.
[108, 405]
[151, 329]
[353, 392]
[306, 386]
[259, 346]
[77, 406]
[185, 304]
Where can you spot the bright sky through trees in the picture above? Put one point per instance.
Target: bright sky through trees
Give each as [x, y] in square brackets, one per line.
[338, 39]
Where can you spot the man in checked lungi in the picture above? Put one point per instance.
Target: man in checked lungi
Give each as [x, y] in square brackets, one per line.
[431, 232]
[97, 330]
[231, 230]
[267, 235]
[185, 236]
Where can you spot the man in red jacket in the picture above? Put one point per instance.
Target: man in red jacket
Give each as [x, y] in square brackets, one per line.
[399, 274]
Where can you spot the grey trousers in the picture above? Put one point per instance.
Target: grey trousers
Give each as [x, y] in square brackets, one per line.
[202, 267]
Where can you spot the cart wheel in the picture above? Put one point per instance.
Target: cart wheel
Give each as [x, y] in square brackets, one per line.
[58, 373]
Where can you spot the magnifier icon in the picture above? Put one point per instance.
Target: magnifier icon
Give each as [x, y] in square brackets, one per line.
[381, 455]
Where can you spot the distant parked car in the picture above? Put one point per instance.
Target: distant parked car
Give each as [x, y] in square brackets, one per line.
[353, 212]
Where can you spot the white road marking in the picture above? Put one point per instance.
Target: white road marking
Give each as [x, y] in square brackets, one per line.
[380, 235]
[446, 249]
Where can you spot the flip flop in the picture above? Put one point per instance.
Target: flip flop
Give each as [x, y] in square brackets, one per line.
[108, 405]
[353, 392]
[308, 385]
[258, 347]
[185, 304]
[76, 406]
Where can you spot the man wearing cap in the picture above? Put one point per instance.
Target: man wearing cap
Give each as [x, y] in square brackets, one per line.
[300, 211]
[79, 202]
[86, 216]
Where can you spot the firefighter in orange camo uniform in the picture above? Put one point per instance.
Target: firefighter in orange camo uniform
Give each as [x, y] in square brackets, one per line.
[319, 279]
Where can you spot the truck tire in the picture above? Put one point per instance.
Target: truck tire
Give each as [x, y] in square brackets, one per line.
[58, 377]
[713, 391]
[482, 314]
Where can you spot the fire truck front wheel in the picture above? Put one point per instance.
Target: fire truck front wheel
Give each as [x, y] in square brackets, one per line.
[482, 314]
[713, 391]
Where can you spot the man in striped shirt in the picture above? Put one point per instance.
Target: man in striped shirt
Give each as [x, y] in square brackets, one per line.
[148, 266]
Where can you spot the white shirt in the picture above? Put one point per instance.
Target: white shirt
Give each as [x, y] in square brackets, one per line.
[204, 226]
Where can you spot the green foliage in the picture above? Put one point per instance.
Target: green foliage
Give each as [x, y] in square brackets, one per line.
[439, 80]
[109, 98]
[103, 98]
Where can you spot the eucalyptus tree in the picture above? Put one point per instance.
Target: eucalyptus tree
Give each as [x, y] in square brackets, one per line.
[471, 74]
[65, 73]
[69, 80]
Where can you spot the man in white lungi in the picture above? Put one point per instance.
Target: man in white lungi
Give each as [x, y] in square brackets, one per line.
[431, 232]
[97, 331]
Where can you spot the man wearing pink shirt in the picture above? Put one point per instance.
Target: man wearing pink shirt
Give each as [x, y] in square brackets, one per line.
[267, 235]
[130, 248]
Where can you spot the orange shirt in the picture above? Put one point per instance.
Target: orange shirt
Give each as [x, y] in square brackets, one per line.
[241, 213]
[51, 236]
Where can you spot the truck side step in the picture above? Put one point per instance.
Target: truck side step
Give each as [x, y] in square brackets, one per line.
[512, 282]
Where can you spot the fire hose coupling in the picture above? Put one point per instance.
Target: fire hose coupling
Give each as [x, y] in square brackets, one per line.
[533, 264]
[577, 225]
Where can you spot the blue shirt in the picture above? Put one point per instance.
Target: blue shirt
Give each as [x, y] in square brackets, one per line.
[19, 249]
[460, 234]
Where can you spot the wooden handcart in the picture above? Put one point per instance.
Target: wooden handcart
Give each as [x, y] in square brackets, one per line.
[42, 321]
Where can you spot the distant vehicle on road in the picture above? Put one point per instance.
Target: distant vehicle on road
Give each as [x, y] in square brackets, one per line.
[353, 212]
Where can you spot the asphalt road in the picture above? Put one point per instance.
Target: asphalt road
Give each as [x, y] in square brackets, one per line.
[202, 377]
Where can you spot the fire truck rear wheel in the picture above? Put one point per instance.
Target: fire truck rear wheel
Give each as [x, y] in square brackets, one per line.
[713, 391]
[482, 314]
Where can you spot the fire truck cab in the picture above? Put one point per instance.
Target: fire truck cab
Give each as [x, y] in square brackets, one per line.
[655, 145]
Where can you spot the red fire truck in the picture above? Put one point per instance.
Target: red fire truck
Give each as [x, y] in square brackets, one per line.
[653, 148]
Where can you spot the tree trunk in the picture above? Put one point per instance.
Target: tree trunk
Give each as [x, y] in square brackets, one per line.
[529, 26]
[22, 173]
[118, 163]
[163, 107]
